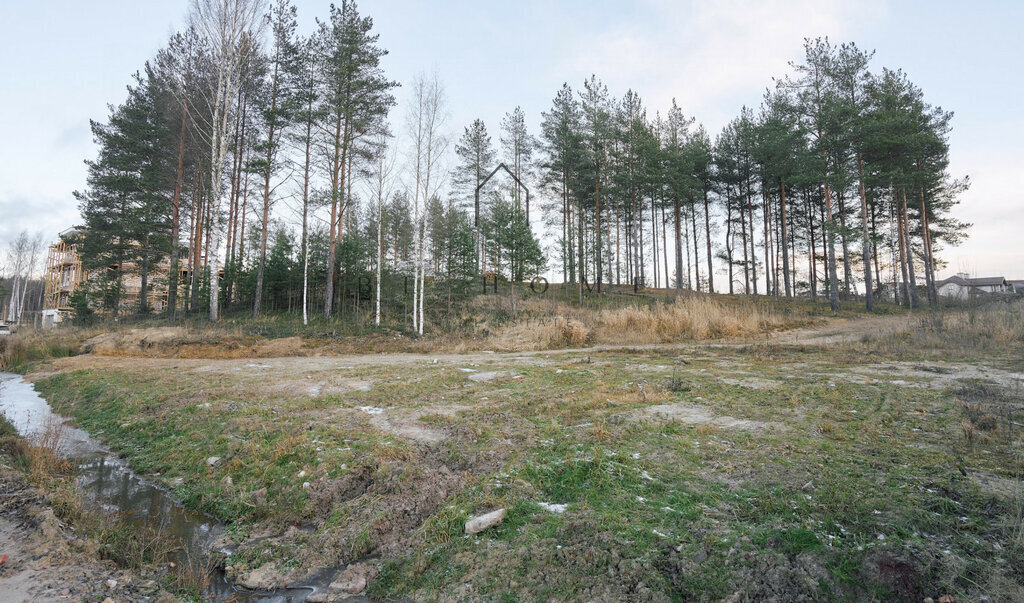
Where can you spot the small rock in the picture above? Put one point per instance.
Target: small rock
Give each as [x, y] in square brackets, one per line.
[265, 577]
[475, 525]
[111, 583]
[354, 579]
[213, 461]
[305, 485]
[227, 481]
[929, 600]
[108, 600]
[947, 599]
[302, 473]
[259, 496]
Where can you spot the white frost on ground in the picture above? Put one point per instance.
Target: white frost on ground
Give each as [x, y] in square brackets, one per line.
[372, 410]
[489, 376]
[553, 507]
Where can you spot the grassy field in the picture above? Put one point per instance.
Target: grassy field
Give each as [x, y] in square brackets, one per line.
[885, 464]
[493, 322]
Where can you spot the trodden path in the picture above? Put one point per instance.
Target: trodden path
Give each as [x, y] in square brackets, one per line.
[828, 332]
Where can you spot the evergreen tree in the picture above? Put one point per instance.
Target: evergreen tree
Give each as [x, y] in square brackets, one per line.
[476, 158]
[517, 145]
[355, 101]
[276, 113]
[127, 227]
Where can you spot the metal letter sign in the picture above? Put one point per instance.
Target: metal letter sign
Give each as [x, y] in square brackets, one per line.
[539, 285]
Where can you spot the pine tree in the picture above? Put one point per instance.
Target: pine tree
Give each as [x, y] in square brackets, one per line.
[596, 126]
[356, 99]
[476, 159]
[517, 145]
[276, 115]
[125, 205]
[560, 131]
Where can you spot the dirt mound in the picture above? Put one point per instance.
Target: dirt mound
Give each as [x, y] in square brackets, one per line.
[179, 342]
[577, 549]
[384, 505]
[775, 577]
[897, 573]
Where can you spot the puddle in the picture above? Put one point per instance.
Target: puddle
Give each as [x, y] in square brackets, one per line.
[108, 483]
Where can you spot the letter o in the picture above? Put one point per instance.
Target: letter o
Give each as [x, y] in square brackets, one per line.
[535, 284]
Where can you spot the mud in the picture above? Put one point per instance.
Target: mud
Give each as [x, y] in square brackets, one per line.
[49, 561]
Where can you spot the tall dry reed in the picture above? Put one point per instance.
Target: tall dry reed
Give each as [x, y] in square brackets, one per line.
[684, 320]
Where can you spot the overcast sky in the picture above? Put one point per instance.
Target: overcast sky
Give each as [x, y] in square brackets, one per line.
[62, 62]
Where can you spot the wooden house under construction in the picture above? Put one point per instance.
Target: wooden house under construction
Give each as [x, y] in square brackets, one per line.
[65, 274]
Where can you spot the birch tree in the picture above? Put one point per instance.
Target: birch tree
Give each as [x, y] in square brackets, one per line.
[425, 122]
[381, 184]
[231, 30]
[22, 258]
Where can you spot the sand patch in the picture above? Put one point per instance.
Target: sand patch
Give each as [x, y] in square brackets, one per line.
[701, 415]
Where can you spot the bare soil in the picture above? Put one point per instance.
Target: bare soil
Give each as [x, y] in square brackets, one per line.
[448, 445]
[47, 560]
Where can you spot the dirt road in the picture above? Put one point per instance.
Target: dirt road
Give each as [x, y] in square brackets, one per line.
[830, 331]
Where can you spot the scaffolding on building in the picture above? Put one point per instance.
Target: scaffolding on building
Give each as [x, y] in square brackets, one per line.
[63, 275]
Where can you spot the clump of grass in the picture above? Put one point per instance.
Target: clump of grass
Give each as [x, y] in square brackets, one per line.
[40, 455]
[692, 318]
[193, 576]
[542, 333]
[27, 346]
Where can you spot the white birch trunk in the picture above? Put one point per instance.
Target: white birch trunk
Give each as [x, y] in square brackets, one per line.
[380, 259]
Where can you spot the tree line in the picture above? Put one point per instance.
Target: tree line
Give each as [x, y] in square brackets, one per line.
[839, 166]
[21, 295]
[261, 167]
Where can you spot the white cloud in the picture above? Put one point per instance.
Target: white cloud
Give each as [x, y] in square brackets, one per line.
[995, 206]
[712, 55]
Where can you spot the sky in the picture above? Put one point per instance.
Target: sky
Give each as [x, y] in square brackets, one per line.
[63, 62]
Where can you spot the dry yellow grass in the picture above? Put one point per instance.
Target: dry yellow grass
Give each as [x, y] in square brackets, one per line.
[995, 326]
[548, 324]
[542, 334]
[686, 319]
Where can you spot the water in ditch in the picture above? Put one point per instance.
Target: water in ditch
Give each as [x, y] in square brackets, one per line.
[108, 483]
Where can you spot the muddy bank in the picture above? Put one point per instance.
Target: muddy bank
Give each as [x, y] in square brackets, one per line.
[47, 559]
[103, 496]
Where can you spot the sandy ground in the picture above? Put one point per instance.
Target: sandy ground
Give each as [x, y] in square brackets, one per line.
[827, 333]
